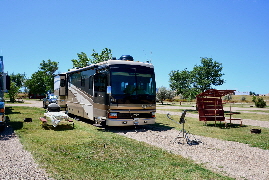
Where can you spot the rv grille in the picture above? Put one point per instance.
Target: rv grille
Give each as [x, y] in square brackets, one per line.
[134, 115]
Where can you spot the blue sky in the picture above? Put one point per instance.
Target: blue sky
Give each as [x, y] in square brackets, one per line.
[173, 34]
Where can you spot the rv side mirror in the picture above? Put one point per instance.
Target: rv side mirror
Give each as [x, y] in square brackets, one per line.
[108, 89]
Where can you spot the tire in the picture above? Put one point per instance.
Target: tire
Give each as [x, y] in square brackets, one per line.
[44, 105]
[2, 126]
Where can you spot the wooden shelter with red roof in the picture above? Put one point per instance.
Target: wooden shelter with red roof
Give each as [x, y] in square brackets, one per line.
[210, 106]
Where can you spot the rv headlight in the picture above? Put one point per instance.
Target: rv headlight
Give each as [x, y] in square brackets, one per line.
[113, 115]
[153, 114]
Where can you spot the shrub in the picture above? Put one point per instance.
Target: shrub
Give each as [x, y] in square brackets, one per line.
[227, 97]
[13, 92]
[259, 102]
[254, 99]
[164, 93]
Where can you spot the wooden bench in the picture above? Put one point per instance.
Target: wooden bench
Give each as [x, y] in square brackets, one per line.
[43, 121]
[233, 119]
[71, 121]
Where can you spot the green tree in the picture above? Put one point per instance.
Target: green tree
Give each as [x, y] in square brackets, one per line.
[105, 55]
[18, 79]
[42, 81]
[83, 59]
[182, 83]
[207, 74]
[201, 78]
[164, 93]
[36, 84]
[49, 69]
[13, 91]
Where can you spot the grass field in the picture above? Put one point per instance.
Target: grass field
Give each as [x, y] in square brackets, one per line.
[238, 99]
[243, 115]
[88, 152]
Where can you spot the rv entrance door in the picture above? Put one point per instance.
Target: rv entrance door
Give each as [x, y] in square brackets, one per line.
[63, 91]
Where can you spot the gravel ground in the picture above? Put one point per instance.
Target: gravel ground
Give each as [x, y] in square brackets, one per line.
[15, 162]
[229, 158]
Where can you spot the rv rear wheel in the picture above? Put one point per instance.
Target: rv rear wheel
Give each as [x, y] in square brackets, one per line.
[44, 105]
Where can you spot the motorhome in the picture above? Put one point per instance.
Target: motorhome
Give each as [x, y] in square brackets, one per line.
[114, 92]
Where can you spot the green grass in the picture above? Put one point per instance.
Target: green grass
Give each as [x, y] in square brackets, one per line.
[233, 132]
[181, 110]
[244, 105]
[184, 104]
[87, 152]
[238, 98]
[264, 111]
[243, 115]
[253, 116]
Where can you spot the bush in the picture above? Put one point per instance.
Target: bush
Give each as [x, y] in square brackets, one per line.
[13, 92]
[227, 97]
[254, 99]
[164, 93]
[259, 102]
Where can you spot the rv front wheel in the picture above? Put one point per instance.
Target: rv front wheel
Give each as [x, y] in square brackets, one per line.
[95, 120]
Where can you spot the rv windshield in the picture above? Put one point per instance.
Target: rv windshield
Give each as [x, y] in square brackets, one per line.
[133, 81]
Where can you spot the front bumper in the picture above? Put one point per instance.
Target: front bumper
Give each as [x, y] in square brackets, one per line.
[130, 122]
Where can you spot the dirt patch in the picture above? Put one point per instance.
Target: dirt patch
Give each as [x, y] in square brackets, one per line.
[29, 103]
